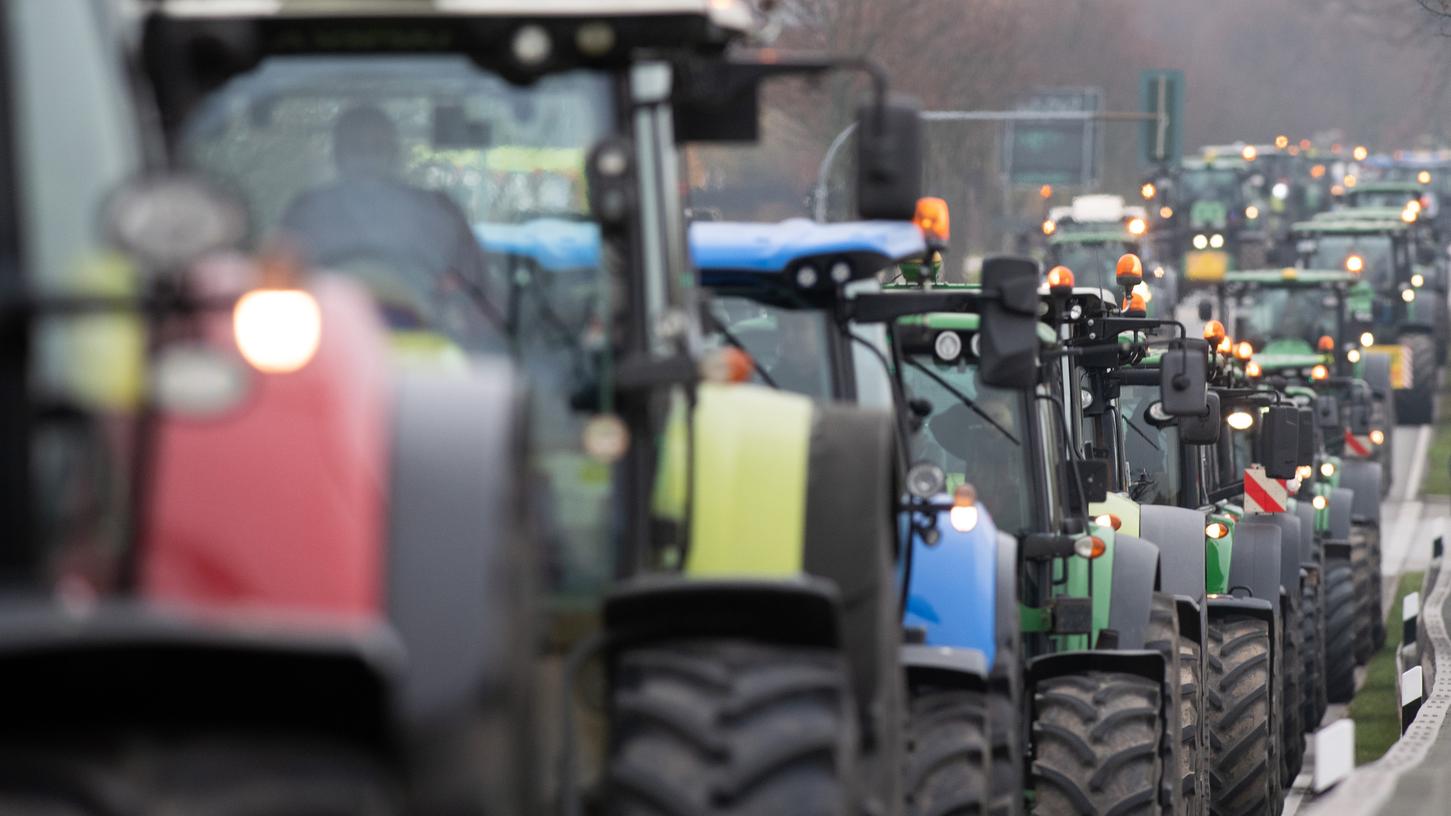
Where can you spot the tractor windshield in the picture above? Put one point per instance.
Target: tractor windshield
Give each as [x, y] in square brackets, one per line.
[976, 433]
[1094, 263]
[1209, 185]
[459, 200]
[1374, 251]
[1151, 448]
[788, 347]
[1274, 313]
[1385, 199]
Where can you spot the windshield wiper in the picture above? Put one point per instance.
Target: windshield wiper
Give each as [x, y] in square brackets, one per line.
[963, 398]
[734, 341]
[1141, 432]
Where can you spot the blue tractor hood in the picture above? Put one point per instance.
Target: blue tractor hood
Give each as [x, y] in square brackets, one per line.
[743, 247]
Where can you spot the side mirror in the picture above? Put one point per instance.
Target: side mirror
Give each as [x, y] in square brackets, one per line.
[889, 160]
[1359, 418]
[1307, 437]
[1279, 441]
[1184, 377]
[168, 221]
[1203, 430]
[1008, 339]
[1206, 310]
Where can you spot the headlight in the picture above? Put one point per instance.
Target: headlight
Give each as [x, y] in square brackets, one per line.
[277, 330]
[1367, 339]
[1320, 502]
[1327, 469]
[1201, 242]
[1241, 420]
[1216, 241]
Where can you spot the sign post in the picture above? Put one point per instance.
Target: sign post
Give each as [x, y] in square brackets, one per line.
[1162, 94]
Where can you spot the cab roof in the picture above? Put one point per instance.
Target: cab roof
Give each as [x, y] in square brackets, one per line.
[1387, 186]
[1351, 225]
[728, 14]
[772, 248]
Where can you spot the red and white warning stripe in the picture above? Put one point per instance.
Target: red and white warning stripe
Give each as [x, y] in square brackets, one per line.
[1358, 444]
[1263, 494]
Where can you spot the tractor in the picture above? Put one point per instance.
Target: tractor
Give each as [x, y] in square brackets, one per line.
[718, 635]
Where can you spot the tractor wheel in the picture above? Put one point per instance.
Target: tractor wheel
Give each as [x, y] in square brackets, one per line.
[212, 776]
[1292, 729]
[1005, 731]
[1162, 636]
[1097, 740]
[1312, 658]
[1377, 591]
[1194, 741]
[1244, 768]
[1341, 611]
[1417, 404]
[947, 753]
[1364, 584]
[730, 727]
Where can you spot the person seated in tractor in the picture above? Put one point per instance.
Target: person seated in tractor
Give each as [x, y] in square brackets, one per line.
[370, 217]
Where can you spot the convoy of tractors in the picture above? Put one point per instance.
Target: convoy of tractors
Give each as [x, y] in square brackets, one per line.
[395, 441]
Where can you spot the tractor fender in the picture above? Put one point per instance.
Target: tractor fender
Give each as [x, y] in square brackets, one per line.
[1289, 526]
[1342, 504]
[1255, 568]
[1376, 371]
[1305, 512]
[1179, 534]
[945, 666]
[1363, 477]
[1222, 605]
[1140, 662]
[148, 666]
[952, 591]
[1135, 574]
[802, 611]
[460, 564]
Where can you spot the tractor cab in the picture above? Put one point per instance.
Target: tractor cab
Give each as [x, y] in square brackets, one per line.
[1402, 306]
[1091, 235]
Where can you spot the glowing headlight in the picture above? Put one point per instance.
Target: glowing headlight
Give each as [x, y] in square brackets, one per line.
[1418, 280]
[1216, 241]
[1251, 212]
[1241, 420]
[1320, 502]
[1378, 436]
[1353, 355]
[1408, 295]
[1304, 472]
[1216, 529]
[1281, 190]
[1201, 242]
[277, 330]
[963, 519]
[1367, 339]
[1327, 469]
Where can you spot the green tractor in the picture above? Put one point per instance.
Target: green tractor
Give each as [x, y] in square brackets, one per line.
[1298, 322]
[692, 537]
[1096, 624]
[1090, 236]
[1210, 205]
[1390, 315]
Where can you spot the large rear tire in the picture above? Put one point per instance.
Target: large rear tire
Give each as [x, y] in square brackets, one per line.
[1377, 594]
[1342, 610]
[1292, 729]
[1417, 405]
[1312, 657]
[1366, 610]
[730, 727]
[1244, 768]
[1162, 636]
[947, 753]
[1194, 739]
[1006, 733]
[1096, 745]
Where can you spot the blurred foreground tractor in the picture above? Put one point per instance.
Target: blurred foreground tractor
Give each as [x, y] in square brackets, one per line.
[249, 567]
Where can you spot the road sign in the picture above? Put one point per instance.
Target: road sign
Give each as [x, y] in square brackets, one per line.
[1263, 494]
[1162, 93]
[1061, 152]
